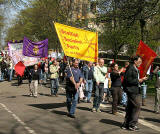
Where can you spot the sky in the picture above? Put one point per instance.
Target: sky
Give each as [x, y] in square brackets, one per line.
[10, 12]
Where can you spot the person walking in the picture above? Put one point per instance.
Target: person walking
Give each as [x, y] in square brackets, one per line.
[157, 93]
[88, 80]
[54, 71]
[10, 70]
[99, 75]
[131, 85]
[116, 87]
[74, 79]
[45, 71]
[144, 93]
[124, 95]
[35, 73]
[3, 67]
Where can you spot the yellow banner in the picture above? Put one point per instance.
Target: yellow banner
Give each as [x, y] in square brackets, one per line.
[78, 43]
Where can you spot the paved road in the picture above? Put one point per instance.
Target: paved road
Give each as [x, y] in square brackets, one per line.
[21, 114]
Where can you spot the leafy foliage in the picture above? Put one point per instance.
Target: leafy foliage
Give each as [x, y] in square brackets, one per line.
[127, 22]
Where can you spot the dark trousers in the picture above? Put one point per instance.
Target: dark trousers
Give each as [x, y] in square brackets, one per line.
[132, 109]
[19, 80]
[98, 95]
[117, 97]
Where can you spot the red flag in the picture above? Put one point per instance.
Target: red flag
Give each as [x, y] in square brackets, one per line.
[148, 55]
[19, 68]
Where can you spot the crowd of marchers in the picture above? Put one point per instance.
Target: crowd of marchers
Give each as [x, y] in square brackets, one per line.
[89, 82]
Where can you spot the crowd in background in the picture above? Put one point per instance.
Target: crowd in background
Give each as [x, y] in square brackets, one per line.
[84, 80]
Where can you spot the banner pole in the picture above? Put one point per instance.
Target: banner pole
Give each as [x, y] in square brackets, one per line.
[70, 67]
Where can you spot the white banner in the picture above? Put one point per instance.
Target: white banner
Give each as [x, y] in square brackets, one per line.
[14, 47]
[15, 51]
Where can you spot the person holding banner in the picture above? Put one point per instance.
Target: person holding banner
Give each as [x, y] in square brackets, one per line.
[131, 85]
[99, 75]
[73, 81]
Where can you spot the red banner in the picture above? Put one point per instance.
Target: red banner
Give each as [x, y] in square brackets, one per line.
[19, 68]
[148, 55]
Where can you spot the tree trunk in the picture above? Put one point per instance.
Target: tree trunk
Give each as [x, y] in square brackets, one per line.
[142, 25]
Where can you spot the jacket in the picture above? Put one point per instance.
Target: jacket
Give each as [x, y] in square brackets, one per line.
[54, 71]
[116, 79]
[86, 72]
[131, 81]
[35, 75]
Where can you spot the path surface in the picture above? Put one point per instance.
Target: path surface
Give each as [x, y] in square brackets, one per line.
[21, 114]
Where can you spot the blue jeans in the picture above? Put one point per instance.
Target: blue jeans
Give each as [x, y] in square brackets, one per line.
[10, 72]
[2, 76]
[89, 87]
[144, 90]
[41, 75]
[98, 95]
[72, 99]
[45, 77]
[54, 86]
[124, 98]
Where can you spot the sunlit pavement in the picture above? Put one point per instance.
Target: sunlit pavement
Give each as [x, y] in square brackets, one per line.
[21, 114]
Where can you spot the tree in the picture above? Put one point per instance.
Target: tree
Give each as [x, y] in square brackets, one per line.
[36, 22]
[125, 22]
[1, 18]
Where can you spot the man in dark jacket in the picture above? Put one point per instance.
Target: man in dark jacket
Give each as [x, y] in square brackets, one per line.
[131, 85]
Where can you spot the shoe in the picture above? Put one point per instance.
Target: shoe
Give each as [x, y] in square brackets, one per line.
[85, 100]
[104, 102]
[124, 105]
[35, 96]
[124, 126]
[156, 112]
[114, 113]
[89, 101]
[133, 128]
[56, 95]
[143, 102]
[30, 95]
[98, 110]
[71, 116]
[93, 110]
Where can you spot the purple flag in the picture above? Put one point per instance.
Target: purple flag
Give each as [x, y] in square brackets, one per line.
[35, 49]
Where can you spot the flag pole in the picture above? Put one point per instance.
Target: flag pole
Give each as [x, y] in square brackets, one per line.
[70, 67]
